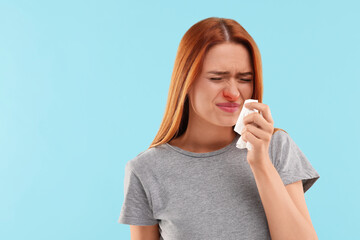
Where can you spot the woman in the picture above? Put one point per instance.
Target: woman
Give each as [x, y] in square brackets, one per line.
[193, 182]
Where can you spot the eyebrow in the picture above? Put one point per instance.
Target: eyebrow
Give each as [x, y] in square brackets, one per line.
[227, 72]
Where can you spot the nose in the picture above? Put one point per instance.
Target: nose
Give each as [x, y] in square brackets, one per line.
[231, 92]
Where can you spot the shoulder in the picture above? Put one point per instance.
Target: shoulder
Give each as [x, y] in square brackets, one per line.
[280, 143]
[147, 159]
[279, 136]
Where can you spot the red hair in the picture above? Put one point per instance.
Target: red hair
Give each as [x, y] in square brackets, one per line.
[193, 47]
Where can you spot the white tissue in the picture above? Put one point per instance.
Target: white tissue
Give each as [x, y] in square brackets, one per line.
[240, 124]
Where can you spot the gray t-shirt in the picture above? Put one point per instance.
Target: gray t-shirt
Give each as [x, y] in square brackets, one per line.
[209, 195]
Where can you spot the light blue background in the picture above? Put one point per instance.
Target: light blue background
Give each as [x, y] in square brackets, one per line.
[83, 88]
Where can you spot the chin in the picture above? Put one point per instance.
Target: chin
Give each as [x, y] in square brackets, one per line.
[229, 124]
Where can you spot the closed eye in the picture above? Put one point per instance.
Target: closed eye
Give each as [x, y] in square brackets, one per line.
[243, 79]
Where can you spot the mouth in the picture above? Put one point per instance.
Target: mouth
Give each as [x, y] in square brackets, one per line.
[229, 109]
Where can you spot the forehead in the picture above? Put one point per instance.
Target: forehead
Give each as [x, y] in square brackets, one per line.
[228, 56]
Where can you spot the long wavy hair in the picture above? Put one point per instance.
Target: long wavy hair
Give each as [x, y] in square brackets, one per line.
[193, 47]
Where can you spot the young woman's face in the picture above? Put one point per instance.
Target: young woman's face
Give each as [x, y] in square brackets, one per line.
[233, 86]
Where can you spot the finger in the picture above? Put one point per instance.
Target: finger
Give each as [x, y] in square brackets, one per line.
[261, 107]
[257, 132]
[249, 137]
[258, 120]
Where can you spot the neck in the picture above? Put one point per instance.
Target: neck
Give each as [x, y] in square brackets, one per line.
[202, 136]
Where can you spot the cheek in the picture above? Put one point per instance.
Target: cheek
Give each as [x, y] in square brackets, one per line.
[207, 91]
[246, 90]
[203, 98]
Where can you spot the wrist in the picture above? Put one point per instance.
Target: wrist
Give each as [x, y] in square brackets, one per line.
[261, 165]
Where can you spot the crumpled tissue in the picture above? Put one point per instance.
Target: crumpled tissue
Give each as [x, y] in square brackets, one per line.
[240, 124]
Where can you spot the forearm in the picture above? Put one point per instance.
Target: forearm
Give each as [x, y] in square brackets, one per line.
[284, 219]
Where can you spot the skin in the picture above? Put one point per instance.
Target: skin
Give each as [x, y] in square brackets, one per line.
[209, 127]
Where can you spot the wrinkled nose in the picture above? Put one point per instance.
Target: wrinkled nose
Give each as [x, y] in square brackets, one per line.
[231, 92]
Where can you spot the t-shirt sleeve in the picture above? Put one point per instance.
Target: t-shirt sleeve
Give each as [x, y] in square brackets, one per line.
[290, 162]
[136, 209]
